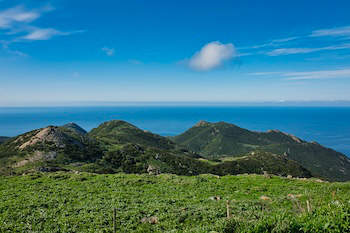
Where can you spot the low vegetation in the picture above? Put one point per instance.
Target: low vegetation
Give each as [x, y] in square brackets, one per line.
[84, 202]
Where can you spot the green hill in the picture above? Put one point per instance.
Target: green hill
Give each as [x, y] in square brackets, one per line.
[117, 146]
[217, 140]
[117, 132]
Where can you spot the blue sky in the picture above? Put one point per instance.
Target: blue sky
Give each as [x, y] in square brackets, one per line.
[64, 51]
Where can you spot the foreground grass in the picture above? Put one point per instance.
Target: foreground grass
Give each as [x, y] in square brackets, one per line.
[66, 202]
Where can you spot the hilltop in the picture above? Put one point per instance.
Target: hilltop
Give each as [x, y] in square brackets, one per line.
[221, 139]
[118, 132]
[75, 128]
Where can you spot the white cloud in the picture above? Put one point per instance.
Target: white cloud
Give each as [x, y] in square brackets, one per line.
[288, 51]
[340, 31]
[46, 33]
[17, 15]
[108, 51]
[41, 34]
[212, 55]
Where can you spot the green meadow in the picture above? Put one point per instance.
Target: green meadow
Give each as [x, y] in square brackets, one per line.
[84, 202]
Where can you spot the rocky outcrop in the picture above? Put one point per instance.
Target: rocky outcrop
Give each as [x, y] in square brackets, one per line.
[37, 156]
[152, 170]
[50, 134]
[201, 123]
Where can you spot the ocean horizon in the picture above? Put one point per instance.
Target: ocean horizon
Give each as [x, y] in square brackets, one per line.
[329, 126]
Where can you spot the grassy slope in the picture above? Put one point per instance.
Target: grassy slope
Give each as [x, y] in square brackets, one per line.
[65, 202]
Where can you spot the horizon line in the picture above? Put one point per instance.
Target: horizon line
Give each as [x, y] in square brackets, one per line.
[316, 103]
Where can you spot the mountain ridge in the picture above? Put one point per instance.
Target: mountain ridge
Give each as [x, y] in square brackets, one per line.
[118, 146]
[221, 139]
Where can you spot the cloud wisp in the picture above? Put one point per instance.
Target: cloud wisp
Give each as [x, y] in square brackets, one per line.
[46, 34]
[212, 55]
[288, 51]
[272, 43]
[16, 23]
[282, 46]
[340, 31]
[18, 14]
[308, 75]
[323, 74]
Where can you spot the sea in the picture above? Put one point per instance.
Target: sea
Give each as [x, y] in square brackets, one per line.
[329, 126]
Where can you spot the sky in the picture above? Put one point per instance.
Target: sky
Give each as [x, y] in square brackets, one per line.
[63, 51]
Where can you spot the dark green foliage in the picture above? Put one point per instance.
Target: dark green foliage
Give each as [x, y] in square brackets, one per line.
[132, 158]
[262, 161]
[75, 128]
[217, 140]
[321, 161]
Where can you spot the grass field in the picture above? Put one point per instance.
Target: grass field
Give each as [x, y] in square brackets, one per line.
[67, 202]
